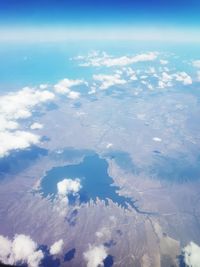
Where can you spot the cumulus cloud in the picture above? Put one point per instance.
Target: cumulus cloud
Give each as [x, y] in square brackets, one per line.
[36, 126]
[57, 247]
[16, 106]
[68, 186]
[5, 249]
[157, 139]
[64, 87]
[191, 255]
[163, 62]
[95, 256]
[64, 189]
[22, 249]
[43, 86]
[198, 76]
[108, 80]
[73, 95]
[103, 59]
[109, 145]
[183, 77]
[166, 79]
[196, 63]
[16, 140]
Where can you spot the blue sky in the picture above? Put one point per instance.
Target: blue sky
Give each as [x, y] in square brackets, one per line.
[50, 12]
[154, 14]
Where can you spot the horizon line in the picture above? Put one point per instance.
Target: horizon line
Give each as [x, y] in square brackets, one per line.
[97, 33]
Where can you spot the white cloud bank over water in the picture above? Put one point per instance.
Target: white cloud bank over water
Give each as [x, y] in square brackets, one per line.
[14, 107]
[95, 256]
[22, 249]
[191, 255]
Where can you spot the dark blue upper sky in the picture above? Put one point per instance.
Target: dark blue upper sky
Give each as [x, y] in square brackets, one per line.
[50, 12]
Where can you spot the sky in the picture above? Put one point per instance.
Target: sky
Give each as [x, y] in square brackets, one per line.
[153, 14]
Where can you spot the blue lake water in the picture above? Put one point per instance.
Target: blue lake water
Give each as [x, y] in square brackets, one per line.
[95, 181]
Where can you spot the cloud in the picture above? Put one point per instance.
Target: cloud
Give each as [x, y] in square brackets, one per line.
[57, 247]
[166, 79]
[68, 186]
[43, 86]
[64, 189]
[98, 59]
[16, 106]
[95, 256]
[108, 80]
[191, 255]
[21, 250]
[19, 105]
[64, 87]
[109, 145]
[5, 249]
[196, 63]
[163, 62]
[157, 139]
[198, 76]
[73, 95]
[36, 126]
[16, 140]
[183, 77]
[35, 258]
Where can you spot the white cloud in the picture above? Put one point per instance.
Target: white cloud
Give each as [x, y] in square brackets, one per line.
[166, 79]
[19, 105]
[64, 86]
[102, 59]
[109, 145]
[68, 186]
[16, 140]
[191, 255]
[35, 258]
[196, 63]
[73, 95]
[157, 139]
[198, 76]
[36, 126]
[183, 77]
[108, 80]
[64, 188]
[95, 256]
[22, 249]
[5, 249]
[163, 62]
[7, 124]
[57, 247]
[15, 106]
[43, 86]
